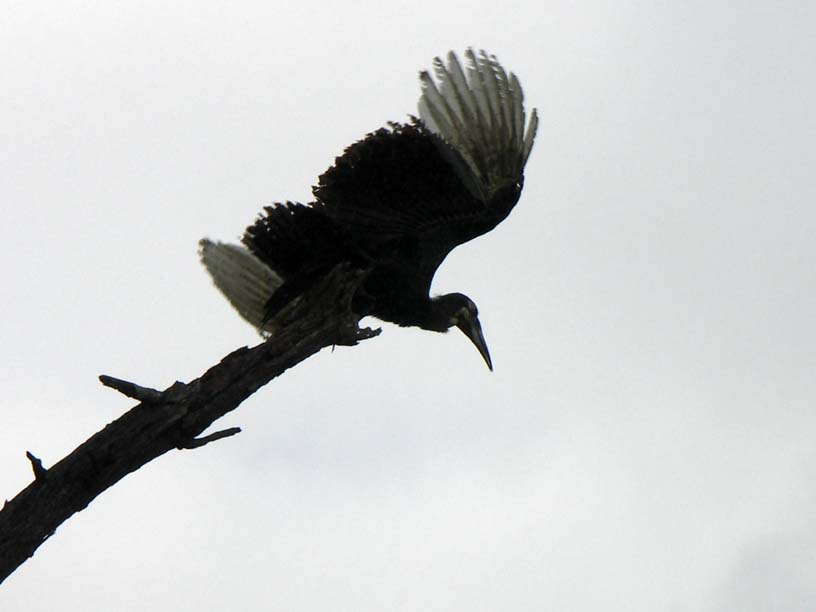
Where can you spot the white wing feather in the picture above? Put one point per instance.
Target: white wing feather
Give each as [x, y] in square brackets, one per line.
[480, 113]
[245, 280]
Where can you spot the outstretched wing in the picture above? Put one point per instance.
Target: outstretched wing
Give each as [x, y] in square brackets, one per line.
[245, 280]
[412, 193]
[291, 238]
[300, 243]
[479, 112]
[284, 251]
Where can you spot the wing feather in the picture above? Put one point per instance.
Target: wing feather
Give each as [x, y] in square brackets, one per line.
[480, 114]
[245, 280]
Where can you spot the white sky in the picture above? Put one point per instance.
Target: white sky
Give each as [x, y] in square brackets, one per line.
[647, 440]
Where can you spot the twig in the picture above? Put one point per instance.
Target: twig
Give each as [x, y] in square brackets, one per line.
[199, 442]
[143, 394]
[37, 466]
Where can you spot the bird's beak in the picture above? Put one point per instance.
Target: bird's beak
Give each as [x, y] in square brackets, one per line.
[471, 327]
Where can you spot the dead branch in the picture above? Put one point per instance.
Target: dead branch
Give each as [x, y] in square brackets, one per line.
[174, 418]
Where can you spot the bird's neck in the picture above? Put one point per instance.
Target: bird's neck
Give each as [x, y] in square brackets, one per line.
[437, 314]
[425, 313]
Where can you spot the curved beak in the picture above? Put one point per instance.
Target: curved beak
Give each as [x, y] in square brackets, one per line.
[471, 327]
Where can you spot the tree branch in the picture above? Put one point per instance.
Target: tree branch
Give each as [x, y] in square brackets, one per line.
[174, 418]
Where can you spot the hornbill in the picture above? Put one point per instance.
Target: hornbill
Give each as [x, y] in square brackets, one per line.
[394, 205]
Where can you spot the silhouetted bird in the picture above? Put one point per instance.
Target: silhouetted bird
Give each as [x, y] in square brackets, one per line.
[395, 204]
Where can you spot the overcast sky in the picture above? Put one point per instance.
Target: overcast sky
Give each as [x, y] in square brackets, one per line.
[646, 442]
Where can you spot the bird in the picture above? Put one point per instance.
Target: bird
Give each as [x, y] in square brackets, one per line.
[393, 206]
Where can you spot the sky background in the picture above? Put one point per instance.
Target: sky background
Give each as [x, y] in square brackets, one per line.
[646, 442]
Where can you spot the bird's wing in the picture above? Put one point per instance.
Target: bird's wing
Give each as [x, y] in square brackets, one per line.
[479, 112]
[412, 193]
[298, 242]
[244, 279]
[395, 181]
[292, 238]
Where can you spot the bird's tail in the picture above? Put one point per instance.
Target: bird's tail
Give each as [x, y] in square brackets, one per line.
[244, 279]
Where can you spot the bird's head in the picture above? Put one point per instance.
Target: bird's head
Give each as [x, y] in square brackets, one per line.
[458, 310]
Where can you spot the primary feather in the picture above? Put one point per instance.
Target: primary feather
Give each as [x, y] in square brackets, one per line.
[481, 116]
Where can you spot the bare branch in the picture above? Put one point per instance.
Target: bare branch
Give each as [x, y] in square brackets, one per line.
[176, 416]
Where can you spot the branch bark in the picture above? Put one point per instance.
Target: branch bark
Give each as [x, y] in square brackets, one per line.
[174, 418]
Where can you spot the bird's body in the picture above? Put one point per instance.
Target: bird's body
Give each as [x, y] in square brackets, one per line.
[394, 205]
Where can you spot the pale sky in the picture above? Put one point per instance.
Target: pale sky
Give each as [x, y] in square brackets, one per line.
[646, 442]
